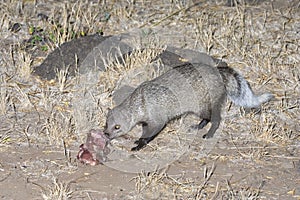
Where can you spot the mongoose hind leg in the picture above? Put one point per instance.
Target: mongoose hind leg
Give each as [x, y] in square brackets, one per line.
[150, 131]
[212, 130]
[201, 125]
[215, 121]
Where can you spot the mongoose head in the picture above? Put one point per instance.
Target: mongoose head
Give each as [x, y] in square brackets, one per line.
[118, 123]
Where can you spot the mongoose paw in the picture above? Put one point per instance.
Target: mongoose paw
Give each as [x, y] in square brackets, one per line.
[137, 148]
[141, 143]
[207, 136]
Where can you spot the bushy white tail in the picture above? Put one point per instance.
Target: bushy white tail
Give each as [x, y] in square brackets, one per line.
[239, 90]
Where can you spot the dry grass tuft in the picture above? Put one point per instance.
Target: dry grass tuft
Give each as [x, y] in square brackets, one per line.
[62, 77]
[58, 191]
[4, 96]
[160, 185]
[128, 69]
[59, 129]
[239, 192]
[70, 21]
[24, 65]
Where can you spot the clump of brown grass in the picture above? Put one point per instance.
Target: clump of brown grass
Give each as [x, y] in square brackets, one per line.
[62, 79]
[4, 96]
[24, 65]
[160, 185]
[269, 131]
[238, 192]
[59, 190]
[59, 128]
[75, 20]
[129, 68]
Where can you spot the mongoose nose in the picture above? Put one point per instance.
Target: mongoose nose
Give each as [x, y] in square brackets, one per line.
[106, 134]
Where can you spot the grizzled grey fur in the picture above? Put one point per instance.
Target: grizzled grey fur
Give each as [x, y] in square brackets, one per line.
[199, 89]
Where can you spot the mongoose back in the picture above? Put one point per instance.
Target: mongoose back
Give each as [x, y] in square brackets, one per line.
[190, 88]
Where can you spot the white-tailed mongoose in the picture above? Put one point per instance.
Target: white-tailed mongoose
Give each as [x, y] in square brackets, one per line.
[199, 89]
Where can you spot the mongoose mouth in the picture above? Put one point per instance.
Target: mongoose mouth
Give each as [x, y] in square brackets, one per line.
[108, 136]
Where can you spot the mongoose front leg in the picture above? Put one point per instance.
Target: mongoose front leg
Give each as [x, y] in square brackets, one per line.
[142, 142]
[215, 121]
[150, 131]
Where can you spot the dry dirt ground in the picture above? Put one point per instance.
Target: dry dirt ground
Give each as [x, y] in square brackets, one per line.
[255, 154]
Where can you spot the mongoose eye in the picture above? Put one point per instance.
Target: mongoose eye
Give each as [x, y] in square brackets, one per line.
[117, 127]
